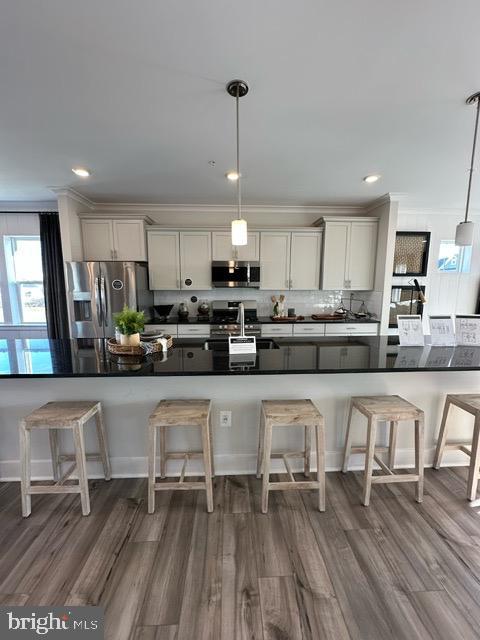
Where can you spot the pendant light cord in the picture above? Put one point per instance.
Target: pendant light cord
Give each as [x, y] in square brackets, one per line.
[239, 190]
[472, 162]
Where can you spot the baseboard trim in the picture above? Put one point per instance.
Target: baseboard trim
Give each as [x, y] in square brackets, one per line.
[225, 464]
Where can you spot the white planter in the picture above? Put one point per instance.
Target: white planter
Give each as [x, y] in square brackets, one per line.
[132, 340]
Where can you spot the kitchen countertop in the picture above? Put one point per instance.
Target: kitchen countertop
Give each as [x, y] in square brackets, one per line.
[36, 358]
[262, 320]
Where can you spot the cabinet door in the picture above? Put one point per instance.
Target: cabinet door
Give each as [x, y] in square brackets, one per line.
[305, 261]
[196, 259]
[250, 252]
[335, 255]
[222, 248]
[129, 240]
[163, 259]
[97, 240]
[275, 259]
[362, 255]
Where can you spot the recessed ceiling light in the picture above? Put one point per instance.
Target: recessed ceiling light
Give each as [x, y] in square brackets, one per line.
[82, 172]
[232, 175]
[372, 178]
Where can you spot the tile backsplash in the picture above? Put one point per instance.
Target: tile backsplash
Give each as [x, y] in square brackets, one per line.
[304, 302]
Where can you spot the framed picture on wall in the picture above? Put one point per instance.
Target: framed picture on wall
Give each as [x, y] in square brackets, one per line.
[411, 253]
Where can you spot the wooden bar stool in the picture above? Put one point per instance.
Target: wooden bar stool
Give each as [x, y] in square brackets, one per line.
[63, 415]
[392, 409]
[180, 413]
[469, 402]
[291, 413]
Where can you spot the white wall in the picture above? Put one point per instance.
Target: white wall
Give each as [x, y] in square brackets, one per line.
[129, 401]
[446, 293]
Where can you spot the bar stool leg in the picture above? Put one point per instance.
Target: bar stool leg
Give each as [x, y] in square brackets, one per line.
[320, 435]
[267, 447]
[103, 443]
[261, 436]
[152, 453]
[210, 433]
[442, 435]
[369, 453]
[26, 469]
[163, 452]
[474, 461]
[53, 437]
[419, 455]
[207, 461]
[81, 468]
[308, 451]
[392, 444]
[348, 440]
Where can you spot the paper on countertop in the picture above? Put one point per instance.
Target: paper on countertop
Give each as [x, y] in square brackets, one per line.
[442, 331]
[410, 331]
[467, 331]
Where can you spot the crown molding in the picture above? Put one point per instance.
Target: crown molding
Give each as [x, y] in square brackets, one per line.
[74, 195]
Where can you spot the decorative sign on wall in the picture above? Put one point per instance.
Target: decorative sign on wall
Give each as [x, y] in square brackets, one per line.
[411, 253]
[410, 331]
[468, 330]
[442, 331]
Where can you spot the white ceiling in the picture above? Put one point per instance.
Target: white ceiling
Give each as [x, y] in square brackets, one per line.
[339, 89]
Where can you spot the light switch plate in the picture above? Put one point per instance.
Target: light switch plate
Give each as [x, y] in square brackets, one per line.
[225, 418]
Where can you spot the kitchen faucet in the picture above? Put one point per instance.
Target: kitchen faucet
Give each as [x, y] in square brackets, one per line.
[241, 319]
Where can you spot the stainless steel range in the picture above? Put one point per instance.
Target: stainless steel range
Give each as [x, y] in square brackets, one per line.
[225, 320]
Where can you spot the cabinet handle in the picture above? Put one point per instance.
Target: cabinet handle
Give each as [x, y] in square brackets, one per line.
[111, 254]
[291, 284]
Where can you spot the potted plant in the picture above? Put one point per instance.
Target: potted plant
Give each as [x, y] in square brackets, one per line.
[129, 324]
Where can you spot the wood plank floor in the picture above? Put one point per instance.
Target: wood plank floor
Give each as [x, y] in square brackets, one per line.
[395, 570]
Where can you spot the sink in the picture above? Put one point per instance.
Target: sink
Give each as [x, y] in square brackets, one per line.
[222, 345]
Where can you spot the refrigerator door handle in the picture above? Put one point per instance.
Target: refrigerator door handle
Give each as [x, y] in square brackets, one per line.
[105, 301]
[98, 299]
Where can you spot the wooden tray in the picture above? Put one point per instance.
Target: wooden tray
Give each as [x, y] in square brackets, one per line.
[328, 316]
[125, 350]
[283, 318]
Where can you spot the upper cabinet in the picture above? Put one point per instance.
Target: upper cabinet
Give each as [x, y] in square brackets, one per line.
[163, 259]
[113, 239]
[196, 259]
[305, 254]
[349, 253]
[179, 259]
[290, 260]
[275, 261]
[222, 248]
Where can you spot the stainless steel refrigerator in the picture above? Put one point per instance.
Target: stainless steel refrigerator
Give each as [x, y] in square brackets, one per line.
[97, 290]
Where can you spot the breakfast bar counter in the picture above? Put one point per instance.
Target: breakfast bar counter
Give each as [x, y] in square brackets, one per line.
[328, 370]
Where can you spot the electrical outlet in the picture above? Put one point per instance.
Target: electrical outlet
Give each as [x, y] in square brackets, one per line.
[225, 418]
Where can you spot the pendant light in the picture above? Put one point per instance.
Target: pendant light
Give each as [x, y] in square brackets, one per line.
[464, 233]
[237, 89]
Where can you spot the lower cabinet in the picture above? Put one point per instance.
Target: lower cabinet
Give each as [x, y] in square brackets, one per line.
[193, 331]
[351, 356]
[271, 330]
[313, 329]
[168, 329]
[352, 329]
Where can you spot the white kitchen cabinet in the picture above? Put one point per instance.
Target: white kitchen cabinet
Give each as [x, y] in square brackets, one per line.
[351, 329]
[305, 253]
[351, 356]
[309, 329]
[164, 259]
[222, 248]
[269, 330]
[193, 330]
[196, 259]
[275, 259]
[113, 239]
[167, 329]
[302, 357]
[349, 253]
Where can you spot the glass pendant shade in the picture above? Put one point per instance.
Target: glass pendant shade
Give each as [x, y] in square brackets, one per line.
[239, 232]
[464, 234]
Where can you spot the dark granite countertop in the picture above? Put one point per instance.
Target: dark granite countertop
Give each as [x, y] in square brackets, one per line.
[262, 320]
[36, 358]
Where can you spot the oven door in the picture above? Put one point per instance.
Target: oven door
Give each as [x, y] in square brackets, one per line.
[234, 273]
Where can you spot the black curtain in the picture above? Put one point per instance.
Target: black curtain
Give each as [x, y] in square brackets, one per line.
[53, 276]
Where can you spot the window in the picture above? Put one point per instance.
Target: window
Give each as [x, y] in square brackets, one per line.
[453, 259]
[25, 279]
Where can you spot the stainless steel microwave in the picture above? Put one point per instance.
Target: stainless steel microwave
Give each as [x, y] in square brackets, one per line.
[235, 273]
